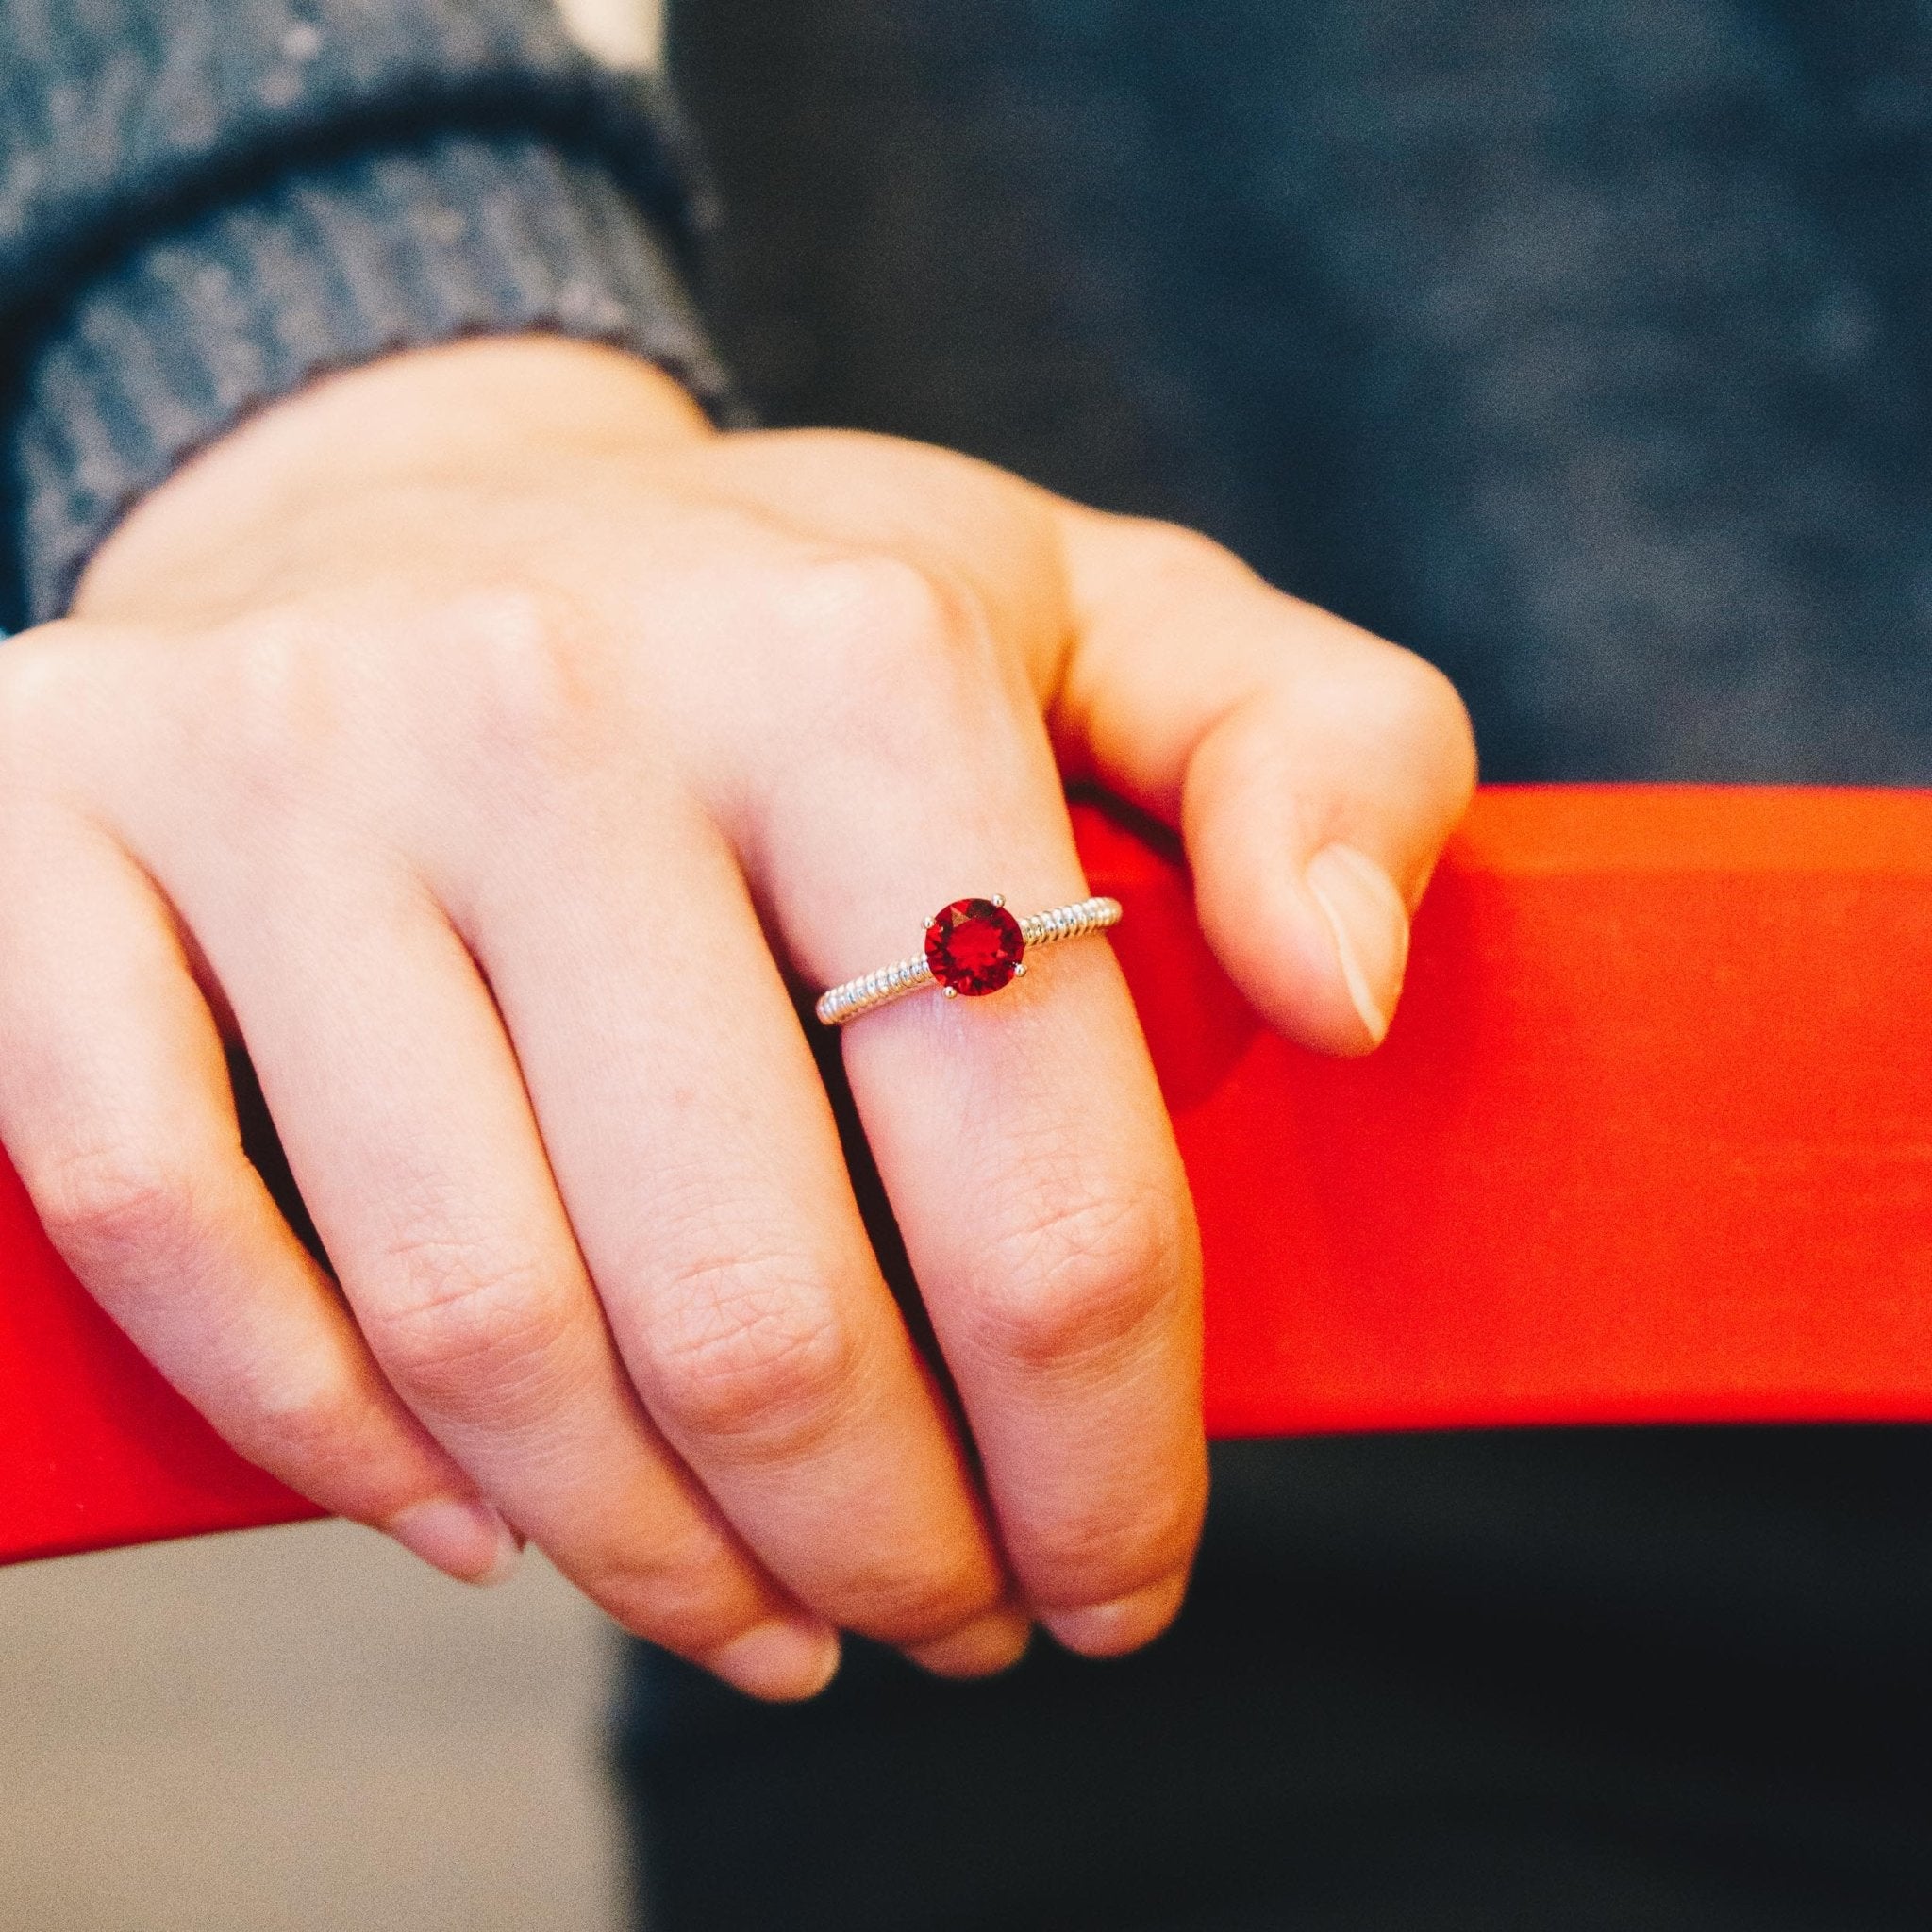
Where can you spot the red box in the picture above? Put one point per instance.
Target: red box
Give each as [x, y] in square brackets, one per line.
[1650, 1141]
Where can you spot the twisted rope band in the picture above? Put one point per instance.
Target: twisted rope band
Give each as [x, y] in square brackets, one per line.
[875, 989]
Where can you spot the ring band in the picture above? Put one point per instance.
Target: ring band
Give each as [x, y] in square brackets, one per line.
[973, 946]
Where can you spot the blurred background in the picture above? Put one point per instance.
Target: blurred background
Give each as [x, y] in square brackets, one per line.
[301, 1730]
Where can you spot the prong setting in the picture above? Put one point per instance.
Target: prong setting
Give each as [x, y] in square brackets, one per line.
[973, 946]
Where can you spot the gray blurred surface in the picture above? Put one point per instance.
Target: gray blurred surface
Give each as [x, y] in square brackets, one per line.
[299, 1728]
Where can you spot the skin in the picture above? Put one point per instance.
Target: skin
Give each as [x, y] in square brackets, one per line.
[494, 749]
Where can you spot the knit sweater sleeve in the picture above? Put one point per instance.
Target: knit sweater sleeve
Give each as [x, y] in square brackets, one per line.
[205, 204]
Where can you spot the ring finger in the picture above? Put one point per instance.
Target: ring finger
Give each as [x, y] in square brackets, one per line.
[1021, 1139]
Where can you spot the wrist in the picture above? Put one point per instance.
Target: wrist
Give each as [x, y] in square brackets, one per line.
[458, 411]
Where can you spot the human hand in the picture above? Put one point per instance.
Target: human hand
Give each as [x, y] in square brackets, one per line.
[483, 742]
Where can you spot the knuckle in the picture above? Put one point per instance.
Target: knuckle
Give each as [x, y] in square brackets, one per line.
[902, 1605]
[280, 712]
[1084, 1278]
[1121, 1537]
[1422, 710]
[466, 1326]
[111, 1212]
[875, 623]
[527, 676]
[750, 1349]
[671, 1613]
[32, 672]
[500, 674]
[269, 726]
[1112, 1552]
[689, 1592]
[1176, 554]
[318, 1428]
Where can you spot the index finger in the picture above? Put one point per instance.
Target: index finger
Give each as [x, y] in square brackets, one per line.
[1314, 769]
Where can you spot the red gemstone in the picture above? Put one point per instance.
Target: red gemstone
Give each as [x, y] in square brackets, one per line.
[973, 946]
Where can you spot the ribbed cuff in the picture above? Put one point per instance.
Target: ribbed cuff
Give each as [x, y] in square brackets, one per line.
[460, 235]
[122, 119]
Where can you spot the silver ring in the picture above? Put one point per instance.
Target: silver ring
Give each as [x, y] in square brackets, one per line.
[972, 947]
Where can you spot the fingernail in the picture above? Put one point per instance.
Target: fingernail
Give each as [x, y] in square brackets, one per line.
[467, 1541]
[1113, 1629]
[1370, 922]
[991, 1643]
[783, 1661]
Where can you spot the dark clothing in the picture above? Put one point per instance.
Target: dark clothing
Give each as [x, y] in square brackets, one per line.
[1584, 347]
[204, 203]
[1581, 347]
[1634, 1681]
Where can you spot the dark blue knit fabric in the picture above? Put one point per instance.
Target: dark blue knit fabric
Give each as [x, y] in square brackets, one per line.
[1582, 345]
[206, 203]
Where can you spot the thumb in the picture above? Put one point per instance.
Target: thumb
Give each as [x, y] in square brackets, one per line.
[1313, 770]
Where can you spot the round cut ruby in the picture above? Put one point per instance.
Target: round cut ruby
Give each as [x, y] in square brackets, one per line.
[973, 946]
